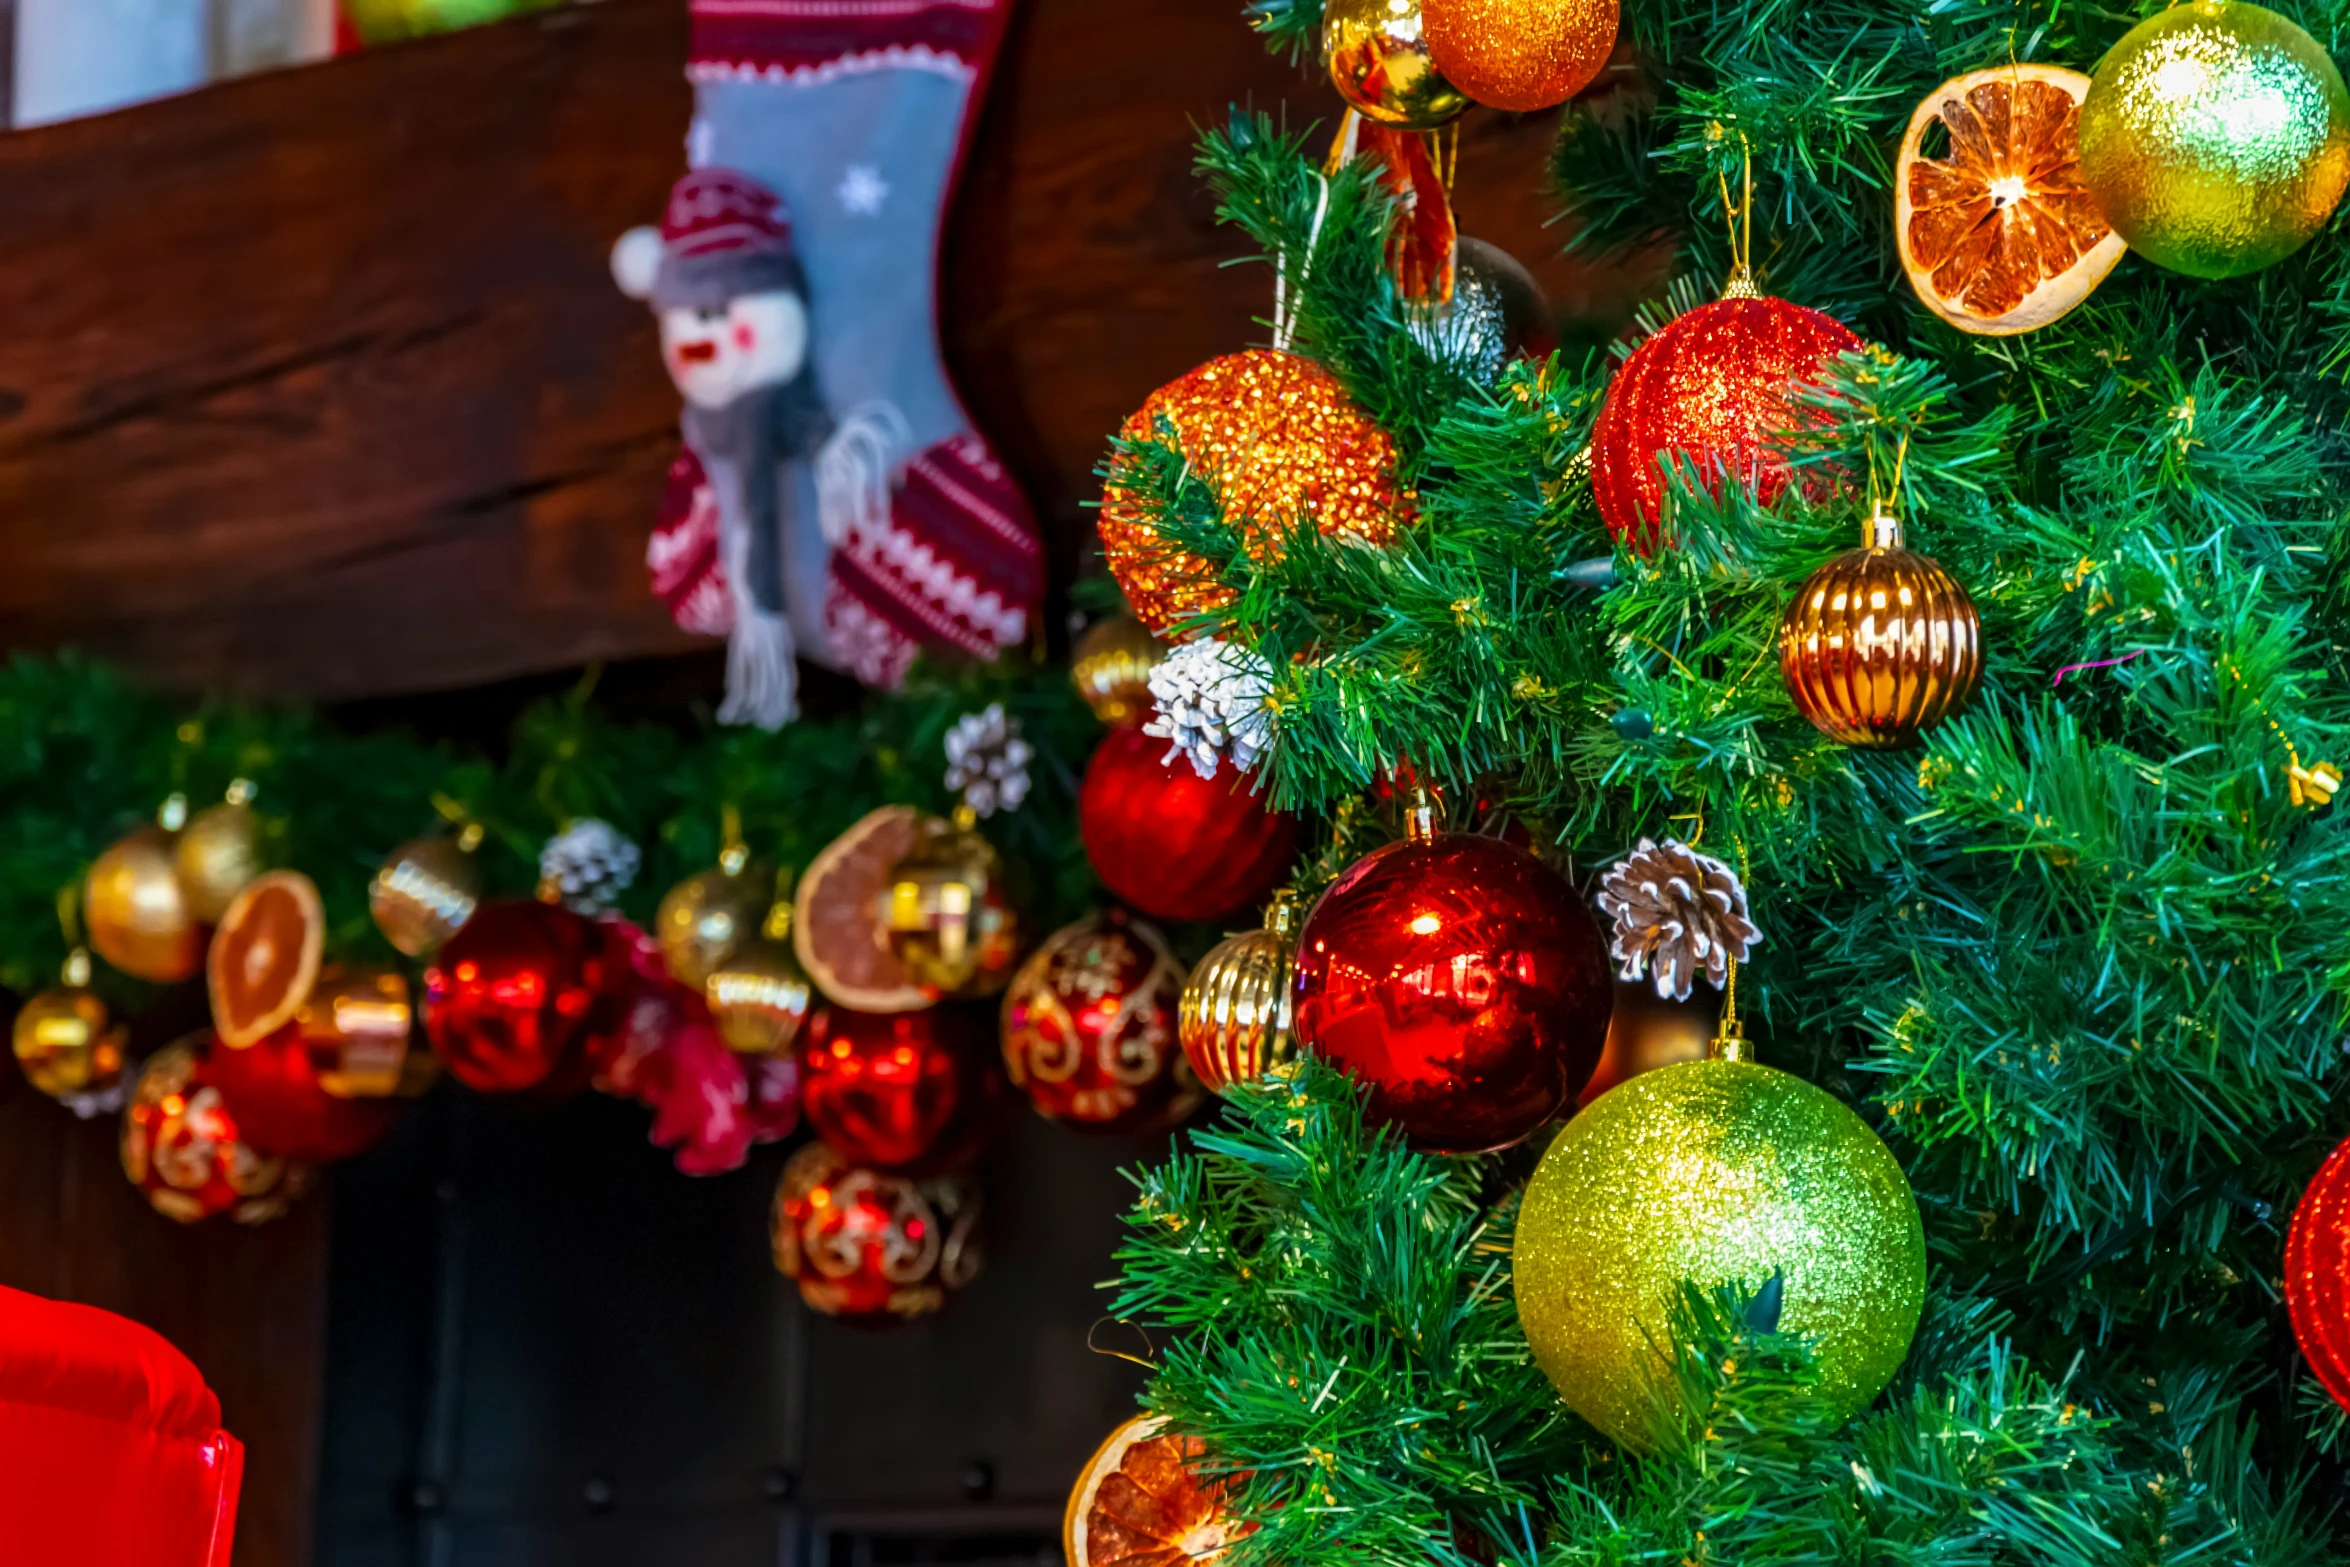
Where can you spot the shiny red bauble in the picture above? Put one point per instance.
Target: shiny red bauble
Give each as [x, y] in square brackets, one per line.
[1462, 982]
[907, 1093]
[2317, 1274]
[869, 1248]
[1709, 388]
[1173, 844]
[274, 1090]
[508, 999]
[182, 1147]
[1090, 1028]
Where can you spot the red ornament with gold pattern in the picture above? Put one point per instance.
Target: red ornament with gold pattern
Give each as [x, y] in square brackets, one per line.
[1461, 981]
[869, 1248]
[908, 1093]
[1173, 844]
[182, 1148]
[2317, 1274]
[1090, 1029]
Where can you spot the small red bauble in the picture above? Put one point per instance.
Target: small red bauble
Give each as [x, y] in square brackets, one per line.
[1090, 1028]
[181, 1146]
[274, 1090]
[870, 1248]
[1461, 981]
[1711, 388]
[508, 999]
[2317, 1274]
[907, 1093]
[1173, 844]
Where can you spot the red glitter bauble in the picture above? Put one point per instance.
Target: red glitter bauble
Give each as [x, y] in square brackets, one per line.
[1462, 981]
[1175, 845]
[1710, 387]
[869, 1248]
[182, 1147]
[906, 1093]
[2317, 1274]
[1090, 1028]
[508, 999]
[273, 1089]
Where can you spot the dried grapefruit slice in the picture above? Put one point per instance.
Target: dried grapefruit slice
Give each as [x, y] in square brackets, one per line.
[264, 958]
[1998, 234]
[839, 927]
[1139, 1503]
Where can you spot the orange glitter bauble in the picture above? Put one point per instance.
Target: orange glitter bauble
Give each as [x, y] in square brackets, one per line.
[1276, 437]
[1520, 55]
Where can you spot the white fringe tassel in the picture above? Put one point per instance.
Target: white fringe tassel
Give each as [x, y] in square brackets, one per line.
[853, 469]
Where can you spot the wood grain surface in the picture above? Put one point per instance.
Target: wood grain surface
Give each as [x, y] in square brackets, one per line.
[316, 383]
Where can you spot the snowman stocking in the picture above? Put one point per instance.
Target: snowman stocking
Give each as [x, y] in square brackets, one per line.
[900, 532]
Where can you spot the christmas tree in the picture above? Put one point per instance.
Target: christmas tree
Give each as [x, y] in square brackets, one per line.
[2031, 814]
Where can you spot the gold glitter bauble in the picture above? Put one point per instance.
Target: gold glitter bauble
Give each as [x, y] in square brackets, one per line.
[1879, 646]
[760, 996]
[1278, 440]
[1714, 1172]
[217, 853]
[136, 912]
[1111, 667]
[424, 893]
[68, 1043]
[1234, 1019]
[2216, 137]
[1377, 57]
[1520, 54]
[951, 924]
[704, 918]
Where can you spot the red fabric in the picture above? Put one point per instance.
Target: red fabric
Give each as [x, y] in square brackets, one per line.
[781, 39]
[111, 1452]
[713, 211]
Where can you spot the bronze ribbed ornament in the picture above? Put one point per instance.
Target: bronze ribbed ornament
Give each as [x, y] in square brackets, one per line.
[1234, 1019]
[1880, 644]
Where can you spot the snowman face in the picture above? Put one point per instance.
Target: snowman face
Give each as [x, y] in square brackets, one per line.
[717, 355]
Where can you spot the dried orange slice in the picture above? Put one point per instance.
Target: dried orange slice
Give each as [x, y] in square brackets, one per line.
[264, 958]
[839, 924]
[1998, 234]
[1140, 1503]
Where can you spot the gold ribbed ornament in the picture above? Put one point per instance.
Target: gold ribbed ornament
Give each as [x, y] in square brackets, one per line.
[1111, 667]
[218, 852]
[1880, 644]
[359, 1025]
[136, 912]
[760, 996]
[426, 891]
[1234, 1020]
[1377, 55]
[706, 917]
[951, 924]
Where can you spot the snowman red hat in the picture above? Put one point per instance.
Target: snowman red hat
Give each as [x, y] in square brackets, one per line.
[724, 235]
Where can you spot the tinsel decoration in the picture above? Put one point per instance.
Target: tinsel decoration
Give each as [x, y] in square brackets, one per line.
[1676, 914]
[1210, 703]
[587, 866]
[987, 761]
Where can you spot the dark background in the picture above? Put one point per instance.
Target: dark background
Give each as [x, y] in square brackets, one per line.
[315, 385]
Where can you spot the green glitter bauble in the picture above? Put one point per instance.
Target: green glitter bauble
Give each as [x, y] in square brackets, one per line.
[1714, 1172]
[2216, 136]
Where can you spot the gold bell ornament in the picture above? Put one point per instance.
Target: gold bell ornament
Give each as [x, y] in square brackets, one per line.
[69, 1045]
[760, 996]
[426, 890]
[1234, 1019]
[1111, 667]
[1880, 644]
[706, 917]
[134, 908]
[218, 852]
[1376, 52]
[952, 924]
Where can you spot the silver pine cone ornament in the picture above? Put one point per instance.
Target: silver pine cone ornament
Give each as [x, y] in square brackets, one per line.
[1676, 914]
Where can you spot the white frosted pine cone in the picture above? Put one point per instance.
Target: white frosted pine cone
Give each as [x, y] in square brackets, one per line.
[1676, 914]
[588, 865]
[987, 761]
[1212, 705]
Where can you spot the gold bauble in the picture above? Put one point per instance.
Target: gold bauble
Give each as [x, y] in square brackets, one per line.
[1234, 1019]
[1277, 439]
[1879, 646]
[1111, 667]
[1520, 55]
[217, 853]
[2216, 137]
[1647, 1031]
[951, 924]
[704, 918]
[359, 1024]
[1714, 1172]
[137, 914]
[1378, 61]
[68, 1043]
[424, 893]
[759, 997]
